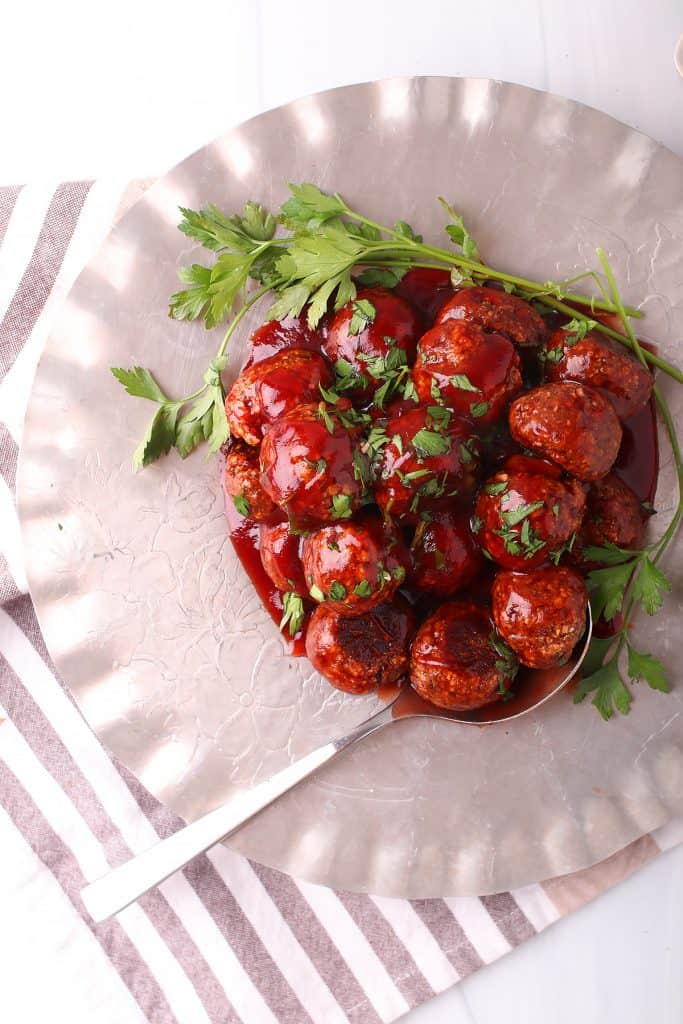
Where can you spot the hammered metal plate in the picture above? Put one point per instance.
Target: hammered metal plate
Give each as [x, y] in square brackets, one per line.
[151, 619]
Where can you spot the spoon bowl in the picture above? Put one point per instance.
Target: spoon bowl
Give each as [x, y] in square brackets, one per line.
[128, 882]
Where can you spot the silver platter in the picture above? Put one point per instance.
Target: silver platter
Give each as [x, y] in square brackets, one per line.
[148, 614]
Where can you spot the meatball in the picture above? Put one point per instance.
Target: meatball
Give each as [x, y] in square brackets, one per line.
[360, 653]
[275, 335]
[495, 310]
[446, 556]
[457, 661]
[541, 614]
[280, 551]
[522, 518]
[272, 387]
[613, 516]
[241, 480]
[426, 289]
[602, 364]
[573, 425]
[364, 332]
[426, 454]
[474, 373]
[309, 465]
[354, 566]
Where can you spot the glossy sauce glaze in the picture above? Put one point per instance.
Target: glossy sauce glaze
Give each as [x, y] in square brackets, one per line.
[637, 463]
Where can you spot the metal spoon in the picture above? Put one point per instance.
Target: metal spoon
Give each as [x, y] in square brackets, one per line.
[125, 884]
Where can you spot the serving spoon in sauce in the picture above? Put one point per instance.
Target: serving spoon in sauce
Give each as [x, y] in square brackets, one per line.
[124, 884]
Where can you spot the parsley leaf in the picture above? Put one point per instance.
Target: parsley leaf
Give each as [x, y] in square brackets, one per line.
[363, 314]
[647, 667]
[462, 381]
[309, 208]
[316, 593]
[241, 504]
[578, 329]
[478, 409]
[458, 233]
[363, 589]
[611, 692]
[514, 516]
[607, 588]
[608, 555]
[159, 438]
[341, 506]
[650, 586]
[337, 591]
[428, 442]
[293, 612]
[140, 383]
[380, 277]
[496, 488]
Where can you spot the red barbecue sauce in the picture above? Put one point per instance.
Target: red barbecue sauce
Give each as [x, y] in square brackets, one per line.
[637, 463]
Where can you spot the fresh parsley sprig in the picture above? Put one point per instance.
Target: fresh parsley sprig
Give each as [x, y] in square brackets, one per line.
[628, 580]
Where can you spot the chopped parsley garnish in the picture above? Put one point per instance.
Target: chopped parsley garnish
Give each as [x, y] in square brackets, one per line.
[241, 504]
[293, 612]
[337, 591]
[513, 516]
[428, 442]
[463, 382]
[363, 313]
[478, 409]
[342, 506]
[435, 392]
[496, 488]
[324, 415]
[363, 589]
[506, 663]
[316, 593]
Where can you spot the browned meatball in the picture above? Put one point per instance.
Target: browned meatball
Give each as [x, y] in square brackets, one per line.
[446, 556]
[522, 517]
[280, 551]
[495, 310]
[601, 363]
[242, 483]
[357, 654]
[540, 614]
[573, 425]
[364, 331]
[472, 372]
[272, 387]
[309, 465]
[427, 455]
[613, 516]
[354, 566]
[457, 661]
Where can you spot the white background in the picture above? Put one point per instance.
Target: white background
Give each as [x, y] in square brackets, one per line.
[126, 89]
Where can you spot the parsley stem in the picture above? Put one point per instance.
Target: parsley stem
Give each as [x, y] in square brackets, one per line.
[481, 269]
[252, 300]
[649, 357]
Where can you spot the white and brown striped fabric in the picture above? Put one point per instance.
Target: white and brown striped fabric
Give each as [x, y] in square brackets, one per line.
[227, 940]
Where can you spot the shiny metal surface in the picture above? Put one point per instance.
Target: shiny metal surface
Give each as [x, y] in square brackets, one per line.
[126, 883]
[144, 606]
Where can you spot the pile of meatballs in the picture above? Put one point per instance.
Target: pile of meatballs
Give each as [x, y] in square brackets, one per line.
[427, 468]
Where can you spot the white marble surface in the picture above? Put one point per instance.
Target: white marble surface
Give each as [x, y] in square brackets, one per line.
[127, 90]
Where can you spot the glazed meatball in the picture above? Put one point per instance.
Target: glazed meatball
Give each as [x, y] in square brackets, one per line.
[354, 566]
[308, 467]
[541, 614]
[242, 483]
[280, 551]
[457, 662]
[522, 518]
[429, 454]
[360, 653]
[446, 556]
[573, 425]
[365, 331]
[472, 372]
[613, 516]
[292, 332]
[426, 289]
[272, 387]
[602, 364]
[495, 310]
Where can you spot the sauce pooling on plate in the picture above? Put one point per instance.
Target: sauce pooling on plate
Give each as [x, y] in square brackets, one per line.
[415, 411]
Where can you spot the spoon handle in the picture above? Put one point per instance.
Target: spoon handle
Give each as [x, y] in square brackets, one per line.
[123, 885]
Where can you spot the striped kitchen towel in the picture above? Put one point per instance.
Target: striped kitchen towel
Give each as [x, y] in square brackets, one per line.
[226, 940]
